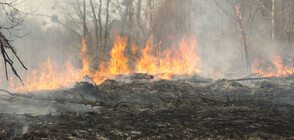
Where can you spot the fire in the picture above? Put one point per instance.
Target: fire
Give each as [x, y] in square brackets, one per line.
[182, 58]
[179, 60]
[86, 66]
[117, 65]
[49, 76]
[275, 67]
[118, 62]
[238, 12]
[147, 62]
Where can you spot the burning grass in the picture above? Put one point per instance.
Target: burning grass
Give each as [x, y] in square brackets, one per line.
[179, 60]
[183, 58]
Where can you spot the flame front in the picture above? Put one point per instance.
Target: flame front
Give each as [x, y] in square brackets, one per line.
[182, 58]
[275, 67]
[49, 76]
[147, 61]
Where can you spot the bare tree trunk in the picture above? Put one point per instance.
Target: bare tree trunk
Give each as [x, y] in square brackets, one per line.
[139, 11]
[106, 26]
[84, 18]
[124, 21]
[138, 16]
[95, 22]
[190, 16]
[244, 36]
[273, 20]
[124, 18]
[100, 23]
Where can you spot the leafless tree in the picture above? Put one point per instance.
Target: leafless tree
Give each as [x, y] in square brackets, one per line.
[95, 21]
[235, 13]
[106, 25]
[100, 23]
[14, 18]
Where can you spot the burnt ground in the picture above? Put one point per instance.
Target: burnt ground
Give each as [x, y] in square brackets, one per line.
[182, 109]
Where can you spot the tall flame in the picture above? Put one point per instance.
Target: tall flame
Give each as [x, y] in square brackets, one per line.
[86, 66]
[147, 62]
[118, 62]
[182, 58]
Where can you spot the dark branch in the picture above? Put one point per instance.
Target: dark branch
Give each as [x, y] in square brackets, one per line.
[4, 46]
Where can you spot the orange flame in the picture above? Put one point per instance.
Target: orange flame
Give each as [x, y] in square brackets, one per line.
[275, 67]
[180, 59]
[183, 60]
[118, 62]
[49, 76]
[147, 62]
[238, 12]
[86, 67]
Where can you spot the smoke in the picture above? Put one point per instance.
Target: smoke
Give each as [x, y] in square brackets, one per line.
[219, 40]
[51, 29]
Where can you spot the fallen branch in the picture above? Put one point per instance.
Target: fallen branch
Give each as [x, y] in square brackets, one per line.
[251, 75]
[6, 91]
[250, 79]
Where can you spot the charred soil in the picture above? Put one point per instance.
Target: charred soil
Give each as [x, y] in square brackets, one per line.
[179, 109]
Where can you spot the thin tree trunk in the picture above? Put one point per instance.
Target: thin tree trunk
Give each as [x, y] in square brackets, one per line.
[95, 22]
[139, 12]
[106, 26]
[125, 17]
[100, 23]
[138, 16]
[79, 10]
[244, 36]
[84, 18]
[248, 64]
[273, 20]
[190, 16]
[124, 21]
